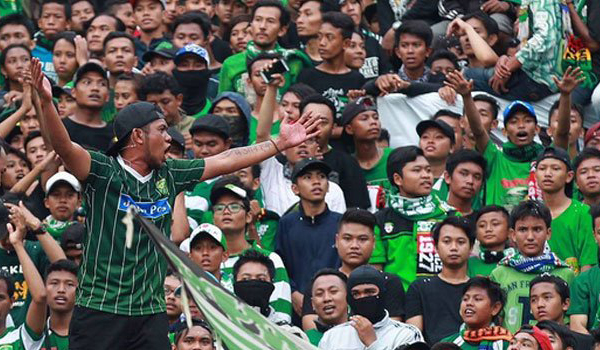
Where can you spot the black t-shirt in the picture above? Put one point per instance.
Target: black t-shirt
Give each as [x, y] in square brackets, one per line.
[584, 341]
[376, 61]
[393, 297]
[97, 139]
[347, 173]
[220, 49]
[439, 304]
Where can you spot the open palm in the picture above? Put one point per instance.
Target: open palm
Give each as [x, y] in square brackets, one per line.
[293, 133]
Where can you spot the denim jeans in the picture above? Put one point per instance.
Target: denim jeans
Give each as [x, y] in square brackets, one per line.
[520, 86]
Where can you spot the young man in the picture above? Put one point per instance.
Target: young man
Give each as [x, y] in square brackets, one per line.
[587, 175]
[54, 19]
[192, 73]
[530, 337]
[487, 107]
[35, 148]
[61, 283]
[478, 33]
[491, 225]
[405, 226]
[309, 232]
[332, 78]
[436, 139]
[549, 298]
[97, 30]
[172, 286]
[63, 198]
[148, 15]
[431, 302]
[370, 325]
[119, 55]
[123, 10]
[81, 12]
[91, 92]
[208, 249]
[571, 222]
[529, 230]
[234, 108]
[159, 60]
[139, 168]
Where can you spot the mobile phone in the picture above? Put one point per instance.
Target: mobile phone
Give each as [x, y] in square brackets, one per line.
[279, 67]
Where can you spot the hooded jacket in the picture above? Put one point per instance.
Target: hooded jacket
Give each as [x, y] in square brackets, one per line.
[244, 108]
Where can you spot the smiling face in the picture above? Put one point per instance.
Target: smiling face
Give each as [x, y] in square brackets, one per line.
[60, 289]
[477, 309]
[329, 299]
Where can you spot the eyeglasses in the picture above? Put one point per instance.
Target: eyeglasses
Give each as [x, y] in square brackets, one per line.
[232, 207]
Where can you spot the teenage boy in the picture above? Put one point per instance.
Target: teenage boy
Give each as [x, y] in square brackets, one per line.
[478, 33]
[148, 16]
[53, 20]
[234, 108]
[549, 298]
[571, 222]
[63, 198]
[81, 12]
[431, 302]
[97, 30]
[61, 284]
[173, 299]
[587, 175]
[208, 249]
[436, 139]
[192, 74]
[491, 226]
[332, 78]
[529, 230]
[119, 55]
[405, 226]
[123, 10]
[307, 234]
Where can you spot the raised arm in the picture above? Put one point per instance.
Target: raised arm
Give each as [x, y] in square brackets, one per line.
[25, 183]
[463, 87]
[267, 108]
[581, 29]
[76, 159]
[571, 78]
[290, 134]
[483, 52]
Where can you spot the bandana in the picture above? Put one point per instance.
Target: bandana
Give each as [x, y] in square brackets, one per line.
[522, 154]
[546, 262]
[252, 51]
[489, 338]
[421, 208]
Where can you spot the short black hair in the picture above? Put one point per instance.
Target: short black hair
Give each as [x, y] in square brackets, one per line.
[11, 150]
[119, 25]
[564, 333]
[384, 135]
[234, 22]
[493, 290]
[64, 3]
[18, 19]
[595, 213]
[530, 208]
[446, 113]
[358, 216]
[301, 91]
[595, 333]
[445, 345]
[10, 282]
[255, 171]
[444, 55]
[181, 328]
[196, 17]
[458, 222]
[62, 265]
[417, 28]
[32, 135]
[491, 209]
[284, 15]
[69, 36]
[560, 285]
[326, 5]
[574, 107]
[491, 101]
[117, 35]
[110, 6]
[253, 255]
[340, 21]
[398, 159]
[465, 156]
[157, 83]
[10, 47]
[585, 154]
[491, 27]
[129, 76]
[328, 271]
[317, 99]
[250, 61]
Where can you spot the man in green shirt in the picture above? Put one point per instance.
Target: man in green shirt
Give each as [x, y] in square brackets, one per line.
[119, 277]
[530, 230]
[491, 225]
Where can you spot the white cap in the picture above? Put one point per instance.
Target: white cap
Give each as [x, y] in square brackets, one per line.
[213, 231]
[63, 176]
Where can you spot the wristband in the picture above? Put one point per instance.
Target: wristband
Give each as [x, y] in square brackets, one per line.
[40, 230]
[275, 145]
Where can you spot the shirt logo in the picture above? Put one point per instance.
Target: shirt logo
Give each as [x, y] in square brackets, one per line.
[161, 186]
[150, 210]
[388, 227]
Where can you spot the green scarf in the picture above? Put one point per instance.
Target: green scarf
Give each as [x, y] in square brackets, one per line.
[522, 154]
[252, 51]
[421, 208]
[41, 40]
[56, 227]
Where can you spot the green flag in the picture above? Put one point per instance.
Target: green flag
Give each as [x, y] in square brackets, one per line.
[234, 322]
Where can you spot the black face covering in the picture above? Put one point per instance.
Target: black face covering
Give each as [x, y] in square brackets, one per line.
[371, 308]
[255, 293]
[238, 129]
[194, 84]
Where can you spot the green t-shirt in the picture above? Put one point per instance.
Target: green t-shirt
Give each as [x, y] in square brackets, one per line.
[112, 278]
[377, 179]
[507, 179]
[464, 345]
[53, 341]
[21, 338]
[440, 187]
[517, 310]
[254, 123]
[585, 291]
[314, 336]
[203, 111]
[10, 6]
[478, 267]
[573, 238]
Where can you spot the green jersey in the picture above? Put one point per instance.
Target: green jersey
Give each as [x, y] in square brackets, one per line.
[197, 202]
[10, 6]
[585, 290]
[254, 123]
[477, 267]
[53, 341]
[440, 188]
[465, 345]
[56, 227]
[112, 278]
[314, 336]
[517, 310]
[377, 179]
[573, 236]
[281, 298]
[21, 338]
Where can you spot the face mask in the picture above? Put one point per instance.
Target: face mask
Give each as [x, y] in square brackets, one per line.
[371, 308]
[194, 84]
[237, 129]
[255, 293]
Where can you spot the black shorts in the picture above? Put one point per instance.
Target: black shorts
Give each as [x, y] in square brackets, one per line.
[98, 330]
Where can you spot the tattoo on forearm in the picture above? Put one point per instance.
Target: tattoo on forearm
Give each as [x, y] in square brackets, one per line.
[248, 150]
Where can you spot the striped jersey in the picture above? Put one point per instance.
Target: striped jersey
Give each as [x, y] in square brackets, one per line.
[112, 278]
[21, 338]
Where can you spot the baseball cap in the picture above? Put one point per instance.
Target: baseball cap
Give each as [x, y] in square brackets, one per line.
[211, 123]
[168, 53]
[89, 67]
[176, 137]
[136, 115]
[72, 237]
[438, 124]
[221, 188]
[162, 3]
[308, 164]
[355, 107]
[209, 230]
[518, 105]
[192, 49]
[62, 177]
[61, 90]
[556, 153]
[592, 132]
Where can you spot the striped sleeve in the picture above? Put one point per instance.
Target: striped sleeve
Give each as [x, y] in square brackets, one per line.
[281, 299]
[186, 173]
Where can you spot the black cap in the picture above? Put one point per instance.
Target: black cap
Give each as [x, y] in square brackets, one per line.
[438, 124]
[366, 274]
[211, 123]
[3, 219]
[72, 237]
[223, 186]
[60, 90]
[354, 108]
[176, 137]
[162, 52]
[308, 164]
[89, 67]
[136, 115]
[556, 153]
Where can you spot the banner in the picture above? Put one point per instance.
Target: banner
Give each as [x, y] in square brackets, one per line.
[235, 323]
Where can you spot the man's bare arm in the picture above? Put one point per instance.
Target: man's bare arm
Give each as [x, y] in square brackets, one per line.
[566, 85]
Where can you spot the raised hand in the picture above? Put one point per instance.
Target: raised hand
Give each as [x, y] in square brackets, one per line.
[277, 80]
[26, 81]
[457, 81]
[40, 83]
[293, 133]
[364, 328]
[495, 6]
[81, 50]
[16, 227]
[456, 27]
[571, 78]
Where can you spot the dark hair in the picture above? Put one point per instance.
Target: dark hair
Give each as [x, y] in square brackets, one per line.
[110, 6]
[585, 154]
[64, 3]
[11, 150]
[444, 55]
[340, 21]
[491, 27]
[595, 213]
[564, 333]
[255, 171]
[73, 2]
[574, 107]
[284, 15]
[465, 156]
[301, 91]
[234, 22]
[68, 36]
[328, 271]
[119, 25]
[62, 265]
[233, 180]
[129, 76]
[195, 17]
[10, 47]
[417, 28]
[560, 285]
[398, 159]
[250, 61]
[317, 99]
[32, 135]
[493, 290]
[458, 222]
[157, 83]
[445, 345]
[358, 216]
[18, 19]
[446, 113]
[595, 333]
[253, 255]
[117, 35]
[491, 101]
[384, 135]
[183, 329]
[530, 208]
[10, 282]
[325, 5]
[491, 209]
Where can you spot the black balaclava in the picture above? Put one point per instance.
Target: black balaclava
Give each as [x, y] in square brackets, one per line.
[255, 293]
[373, 307]
[194, 84]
